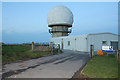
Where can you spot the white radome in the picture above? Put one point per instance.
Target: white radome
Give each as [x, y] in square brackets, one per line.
[60, 15]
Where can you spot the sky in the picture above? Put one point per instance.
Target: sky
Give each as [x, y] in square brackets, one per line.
[24, 22]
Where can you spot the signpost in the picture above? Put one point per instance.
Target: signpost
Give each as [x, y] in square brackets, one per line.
[91, 50]
[107, 49]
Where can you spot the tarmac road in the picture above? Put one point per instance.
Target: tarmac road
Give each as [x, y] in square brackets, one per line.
[56, 66]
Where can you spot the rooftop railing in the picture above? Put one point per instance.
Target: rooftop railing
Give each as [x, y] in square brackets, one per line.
[64, 30]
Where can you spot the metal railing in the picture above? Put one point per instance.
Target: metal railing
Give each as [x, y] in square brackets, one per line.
[64, 30]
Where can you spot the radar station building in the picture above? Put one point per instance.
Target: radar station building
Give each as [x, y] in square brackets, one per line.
[83, 42]
[60, 20]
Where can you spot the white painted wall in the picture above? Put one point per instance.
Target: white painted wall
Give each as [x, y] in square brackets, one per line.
[78, 43]
[96, 40]
[83, 42]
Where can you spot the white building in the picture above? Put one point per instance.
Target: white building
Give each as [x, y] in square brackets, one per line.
[83, 42]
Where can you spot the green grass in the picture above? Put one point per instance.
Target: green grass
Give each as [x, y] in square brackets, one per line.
[13, 53]
[101, 67]
[19, 52]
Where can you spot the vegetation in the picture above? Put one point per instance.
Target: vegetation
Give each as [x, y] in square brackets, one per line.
[18, 52]
[102, 67]
[57, 51]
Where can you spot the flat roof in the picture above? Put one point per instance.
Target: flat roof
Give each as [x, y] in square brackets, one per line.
[85, 35]
[102, 33]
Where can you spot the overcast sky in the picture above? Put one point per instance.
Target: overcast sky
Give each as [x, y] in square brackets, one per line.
[27, 21]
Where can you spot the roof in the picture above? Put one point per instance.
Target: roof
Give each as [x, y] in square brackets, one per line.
[60, 15]
[102, 33]
[84, 35]
[73, 36]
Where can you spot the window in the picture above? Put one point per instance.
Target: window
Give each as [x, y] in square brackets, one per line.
[104, 42]
[68, 43]
[114, 44]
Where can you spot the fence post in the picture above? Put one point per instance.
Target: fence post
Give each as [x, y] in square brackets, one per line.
[116, 53]
[32, 46]
[52, 45]
[91, 51]
[53, 49]
[58, 48]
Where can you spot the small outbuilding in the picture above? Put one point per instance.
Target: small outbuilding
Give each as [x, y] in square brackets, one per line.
[83, 42]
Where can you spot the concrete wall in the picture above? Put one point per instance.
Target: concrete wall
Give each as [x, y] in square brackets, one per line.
[83, 42]
[96, 40]
[58, 34]
[41, 48]
[57, 29]
[78, 43]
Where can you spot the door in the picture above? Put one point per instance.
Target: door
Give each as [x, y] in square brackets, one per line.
[114, 44]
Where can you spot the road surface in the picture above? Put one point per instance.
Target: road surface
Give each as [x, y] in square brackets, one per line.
[63, 65]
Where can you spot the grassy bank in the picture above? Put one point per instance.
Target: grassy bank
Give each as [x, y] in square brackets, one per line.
[19, 52]
[101, 67]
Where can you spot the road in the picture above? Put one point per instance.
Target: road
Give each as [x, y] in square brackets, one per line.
[63, 65]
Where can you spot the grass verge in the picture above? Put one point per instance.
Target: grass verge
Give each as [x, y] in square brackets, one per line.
[101, 67]
[19, 52]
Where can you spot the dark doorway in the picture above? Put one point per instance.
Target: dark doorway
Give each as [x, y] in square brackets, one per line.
[114, 44]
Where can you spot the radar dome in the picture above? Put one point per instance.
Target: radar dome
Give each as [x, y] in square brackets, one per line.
[60, 15]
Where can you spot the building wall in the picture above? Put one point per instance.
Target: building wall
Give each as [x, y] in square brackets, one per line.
[59, 28]
[78, 43]
[96, 40]
[58, 34]
[83, 42]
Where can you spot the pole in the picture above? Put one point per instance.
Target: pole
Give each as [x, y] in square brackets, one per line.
[53, 49]
[117, 55]
[58, 48]
[91, 51]
[52, 46]
[32, 46]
